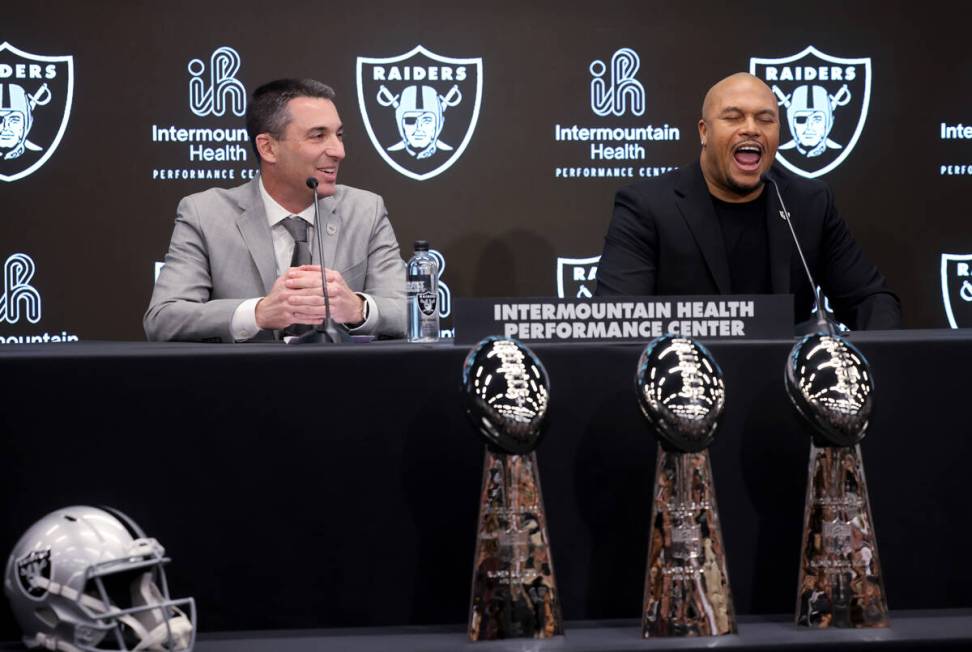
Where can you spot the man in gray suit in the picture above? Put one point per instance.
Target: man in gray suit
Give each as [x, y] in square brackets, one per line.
[236, 266]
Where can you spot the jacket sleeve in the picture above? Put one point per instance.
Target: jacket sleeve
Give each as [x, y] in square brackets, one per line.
[385, 279]
[629, 261]
[858, 292]
[181, 308]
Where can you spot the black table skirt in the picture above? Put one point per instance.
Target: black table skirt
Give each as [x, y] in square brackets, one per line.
[338, 487]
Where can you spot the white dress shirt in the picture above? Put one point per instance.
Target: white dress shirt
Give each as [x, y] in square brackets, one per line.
[243, 326]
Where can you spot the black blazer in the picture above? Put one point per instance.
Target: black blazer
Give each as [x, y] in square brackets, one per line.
[665, 238]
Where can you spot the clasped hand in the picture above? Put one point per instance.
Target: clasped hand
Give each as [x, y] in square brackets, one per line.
[296, 298]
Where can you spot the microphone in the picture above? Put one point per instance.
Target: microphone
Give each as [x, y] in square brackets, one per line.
[823, 324]
[320, 334]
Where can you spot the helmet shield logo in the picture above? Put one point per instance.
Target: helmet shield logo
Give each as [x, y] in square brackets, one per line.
[31, 567]
[35, 103]
[576, 277]
[427, 300]
[957, 289]
[823, 103]
[420, 109]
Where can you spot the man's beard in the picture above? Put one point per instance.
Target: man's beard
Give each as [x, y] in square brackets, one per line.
[739, 189]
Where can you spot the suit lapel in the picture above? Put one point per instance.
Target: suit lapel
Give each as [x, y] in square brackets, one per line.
[255, 230]
[780, 239]
[695, 204]
[331, 219]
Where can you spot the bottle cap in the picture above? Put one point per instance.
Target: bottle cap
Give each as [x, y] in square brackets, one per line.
[421, 245]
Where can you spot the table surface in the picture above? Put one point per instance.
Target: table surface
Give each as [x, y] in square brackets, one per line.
[947, 629]
[339, 485]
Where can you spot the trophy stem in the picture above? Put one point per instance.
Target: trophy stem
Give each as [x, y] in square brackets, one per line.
[514, 592]
[687, 583]
[841, 584]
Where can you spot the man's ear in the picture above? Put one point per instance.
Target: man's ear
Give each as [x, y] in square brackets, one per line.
[702, 132]
[267, 147]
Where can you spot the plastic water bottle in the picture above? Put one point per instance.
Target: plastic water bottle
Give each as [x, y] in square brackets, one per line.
[423, 295]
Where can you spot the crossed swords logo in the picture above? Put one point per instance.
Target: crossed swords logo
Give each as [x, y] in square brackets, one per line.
[450, 99]
[41, 98]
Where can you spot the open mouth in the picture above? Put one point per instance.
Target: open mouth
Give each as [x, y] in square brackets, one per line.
[748, 156]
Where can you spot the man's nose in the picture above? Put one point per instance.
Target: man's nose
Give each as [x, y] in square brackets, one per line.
[335, 149]
[749, 125]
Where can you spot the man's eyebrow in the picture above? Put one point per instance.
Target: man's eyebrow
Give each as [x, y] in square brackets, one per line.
[736, 109]
[323, 129]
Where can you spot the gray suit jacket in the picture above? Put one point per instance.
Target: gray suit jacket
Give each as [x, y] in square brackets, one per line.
[221, 254]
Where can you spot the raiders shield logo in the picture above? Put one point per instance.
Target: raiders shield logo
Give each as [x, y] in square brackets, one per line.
[427, 301]
[576, 277]
[32, 567]
[420, 108]
[35, 104]
[957, 289]
[823, 105]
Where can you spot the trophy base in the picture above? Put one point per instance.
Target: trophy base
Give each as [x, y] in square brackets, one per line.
[841, 583]
[514, 593]
[686, 584]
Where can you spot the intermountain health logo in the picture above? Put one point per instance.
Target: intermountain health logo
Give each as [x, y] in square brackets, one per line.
[36, 92]
[615, 90]
[420, 108]
[823, 106]
[212, 143]
[219, 90]
[445, 294]
[20, 302]
[619, 142]
[19, 299]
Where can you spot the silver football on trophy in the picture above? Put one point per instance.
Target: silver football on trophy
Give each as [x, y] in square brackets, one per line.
[681, 392]
[830, 383]
[507, 392]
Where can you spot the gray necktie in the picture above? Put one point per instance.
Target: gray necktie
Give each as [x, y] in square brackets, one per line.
[297, 228]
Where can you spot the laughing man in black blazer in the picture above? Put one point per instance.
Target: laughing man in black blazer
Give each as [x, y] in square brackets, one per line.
[713, 227]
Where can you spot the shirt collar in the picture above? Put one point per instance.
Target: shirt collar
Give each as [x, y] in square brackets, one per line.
[277, 213]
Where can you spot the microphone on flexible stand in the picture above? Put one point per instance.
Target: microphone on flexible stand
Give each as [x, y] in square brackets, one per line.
[823, 324]
[320, 333]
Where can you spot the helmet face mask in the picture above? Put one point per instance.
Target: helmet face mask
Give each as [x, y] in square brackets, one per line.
[84, 579]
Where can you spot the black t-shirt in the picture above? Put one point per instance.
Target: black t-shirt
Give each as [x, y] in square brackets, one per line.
[747, 244]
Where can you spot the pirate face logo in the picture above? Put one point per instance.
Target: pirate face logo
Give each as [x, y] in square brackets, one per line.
[35, 103]
[577, 277]
[420, 109]
[419, 116]
[427, 302]
[957, 289]
[810, 115]
[34, 573]
[824, 100]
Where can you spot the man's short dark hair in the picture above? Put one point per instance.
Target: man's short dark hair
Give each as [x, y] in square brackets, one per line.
[267, 113]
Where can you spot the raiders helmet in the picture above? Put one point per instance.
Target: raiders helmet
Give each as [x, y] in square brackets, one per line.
[88, 579]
